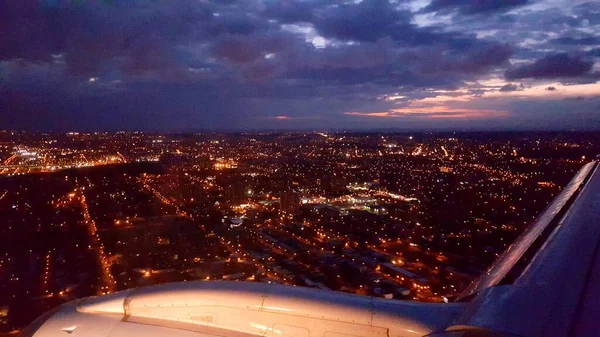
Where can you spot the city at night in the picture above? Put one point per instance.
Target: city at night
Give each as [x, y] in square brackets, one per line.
[391, 215]
[299, 168]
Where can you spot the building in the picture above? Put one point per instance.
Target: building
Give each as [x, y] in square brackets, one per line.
[290, 202]
[236, 192]
[415, 281]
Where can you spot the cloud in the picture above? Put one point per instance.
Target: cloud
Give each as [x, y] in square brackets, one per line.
[368, 20]
[589, 11]
[235, 23]
[589, 40]
[471, 7]
[237, 50]
[483, 58]
[289, 11]
[511, 87]
[582, 98]
[594, 52]
[189, 41]
[552, 66]
[231, 63]
[431, 112]
[373, 20]
[96, 36]
[551, 88]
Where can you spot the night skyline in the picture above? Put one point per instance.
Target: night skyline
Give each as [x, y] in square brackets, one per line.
[295, 65]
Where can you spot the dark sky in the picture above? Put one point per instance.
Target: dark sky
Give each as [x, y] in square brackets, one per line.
[192, 65]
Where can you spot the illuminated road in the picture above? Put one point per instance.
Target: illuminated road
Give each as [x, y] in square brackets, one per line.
[123, 158]
[445, 151]
[46, 273]
[10, 159]
[165, 200]
[108, 283]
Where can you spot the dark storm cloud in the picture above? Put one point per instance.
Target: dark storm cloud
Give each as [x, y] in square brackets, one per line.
[186, 64]
[552, 66]
[482, 58]
[22, 75]
[235, 23]
[589, 11]
[470, 7]
[151, 39]
[290, 11]
[240, 49]
[237, 50]
[92, 33]
[368, 20]
[371, 20]
[534, 33]
[587, 78]
[417, 68]
[26, 33]
[587, 40]
[594, 52]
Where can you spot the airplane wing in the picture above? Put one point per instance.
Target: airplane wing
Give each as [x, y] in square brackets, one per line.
[546, 284]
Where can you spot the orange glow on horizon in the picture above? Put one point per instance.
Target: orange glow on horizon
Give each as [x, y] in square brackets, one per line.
[290, 118]
[435, 112]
